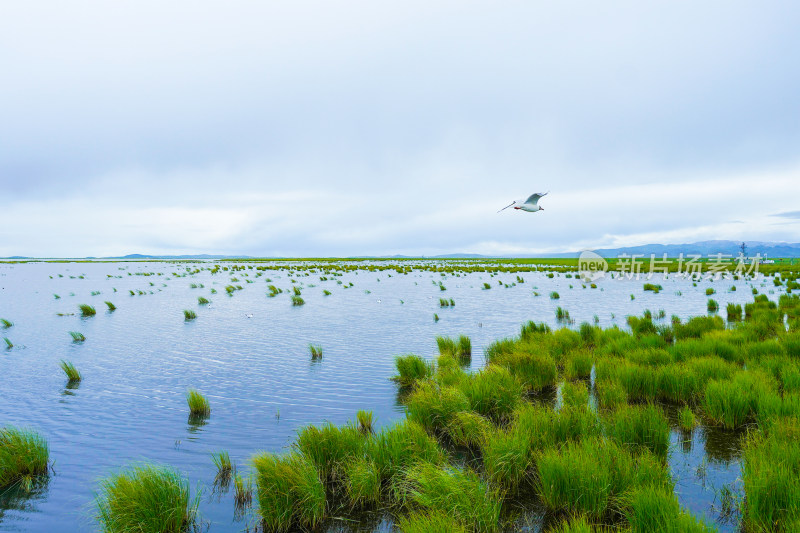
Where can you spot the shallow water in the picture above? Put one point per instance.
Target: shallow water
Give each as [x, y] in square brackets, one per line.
[138, 362]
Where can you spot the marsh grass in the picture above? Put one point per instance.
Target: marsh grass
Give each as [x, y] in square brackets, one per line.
[87, 310]
[222, 460]
[771, 475]
[575, 394]
[712, 306]
[649, 509]
[289, 490]
[5, 323]
[686, 419]
[411, 369]
[297, 301]
[146, 498]
[460, 494]
[362, 483]
[242, 491]
[330, 447]
[24, 455]
[734, 312]
[554, 295]
[201, 300]
[8, 342]
[593, 475]
[72, 373]
[316, 351]
[189, 315]
[438, 521]
[111, 307]
[643, 426]
[198, 404]
[364, 419]
[77, 336]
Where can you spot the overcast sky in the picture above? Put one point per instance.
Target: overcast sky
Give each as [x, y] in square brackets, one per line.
[336, 128]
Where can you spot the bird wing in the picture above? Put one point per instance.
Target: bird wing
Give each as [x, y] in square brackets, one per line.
[534, 198]
[509, 205]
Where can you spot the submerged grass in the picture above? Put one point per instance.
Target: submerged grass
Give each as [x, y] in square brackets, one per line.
[111, 306]
[77, 336]
[5, 324]
[188, 315]
[146, 498]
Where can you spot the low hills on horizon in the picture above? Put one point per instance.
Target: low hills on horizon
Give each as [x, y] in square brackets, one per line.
[702, 248]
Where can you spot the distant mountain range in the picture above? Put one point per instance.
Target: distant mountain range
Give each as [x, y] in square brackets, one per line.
[703, 248]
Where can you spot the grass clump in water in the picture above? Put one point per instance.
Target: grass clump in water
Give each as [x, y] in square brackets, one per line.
[24, 454]
[289, 490]
[297, 301]
[648, 509]
[460, 494]
[146, 498]
[411, 369]
[87, 310]
[222, 460]
[316, 351]
[554, 295]
[364, 419]
[72, 373]
[8, 342]
[460, 348]
[686, 419]
[198, 404]
[771, 477]
[362, 483]
[712, 306]
[111, 307]
[189, 315]
[5, 323]
[330, 447]
[77, 336]
[201, 300]
[242, 491]
[644, 426]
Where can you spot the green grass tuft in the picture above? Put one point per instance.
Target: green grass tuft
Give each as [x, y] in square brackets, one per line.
[364, 419]
[77, 336]
[87, 310]
[111, 307]
[316, 351]
[411, 369]
[24, 454]
[297, 301]
[72, 373]
[188, 315]
[146, 498]
[290, 492]
[198, 404]
[5, 323]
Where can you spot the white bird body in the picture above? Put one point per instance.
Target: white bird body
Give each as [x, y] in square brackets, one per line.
[530, 204]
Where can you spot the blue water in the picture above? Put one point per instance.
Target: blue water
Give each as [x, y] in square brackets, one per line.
[138, 362]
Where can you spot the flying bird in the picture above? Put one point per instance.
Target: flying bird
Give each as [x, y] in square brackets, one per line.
[531, 204]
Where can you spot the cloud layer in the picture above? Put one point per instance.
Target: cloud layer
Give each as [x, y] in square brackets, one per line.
[318, 128]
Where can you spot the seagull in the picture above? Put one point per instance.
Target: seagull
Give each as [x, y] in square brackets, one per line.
[531, 204]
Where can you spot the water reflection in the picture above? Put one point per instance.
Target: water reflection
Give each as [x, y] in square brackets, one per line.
[24, 495]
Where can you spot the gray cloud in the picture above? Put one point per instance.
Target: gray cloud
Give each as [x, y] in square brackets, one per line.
[788, 214]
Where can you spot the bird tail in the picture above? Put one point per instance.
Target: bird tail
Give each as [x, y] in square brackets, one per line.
[509, 205]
